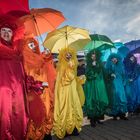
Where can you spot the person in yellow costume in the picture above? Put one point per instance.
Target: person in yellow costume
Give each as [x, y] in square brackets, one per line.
[39, 92]
[68, 115]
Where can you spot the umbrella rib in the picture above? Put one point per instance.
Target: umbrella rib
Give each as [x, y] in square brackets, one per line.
[80, 34]
[36, 28]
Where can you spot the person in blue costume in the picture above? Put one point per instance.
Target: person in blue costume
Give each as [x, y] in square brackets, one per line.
[116, 91]
[96, 101]
[132, 70]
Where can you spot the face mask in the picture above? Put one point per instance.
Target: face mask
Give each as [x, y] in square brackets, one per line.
[32, 46]
[114, 60]
[47, 51]
[6, 34]
[68, 56]
[93, 57]
[132, 59]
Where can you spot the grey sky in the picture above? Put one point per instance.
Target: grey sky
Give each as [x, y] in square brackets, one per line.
[118, 19]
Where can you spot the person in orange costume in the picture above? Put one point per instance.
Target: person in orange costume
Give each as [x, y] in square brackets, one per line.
[40, 124]
[50, 70]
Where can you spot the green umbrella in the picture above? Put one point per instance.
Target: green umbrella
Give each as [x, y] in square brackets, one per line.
[100, 42]
[103, 38]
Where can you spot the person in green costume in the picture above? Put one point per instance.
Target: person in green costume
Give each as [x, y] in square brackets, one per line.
[96, 101]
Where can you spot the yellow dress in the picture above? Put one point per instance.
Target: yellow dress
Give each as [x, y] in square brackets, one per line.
[67, 110]
[80, 81]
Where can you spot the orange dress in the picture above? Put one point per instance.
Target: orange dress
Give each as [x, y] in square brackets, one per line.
[50, 72]
[34, 66]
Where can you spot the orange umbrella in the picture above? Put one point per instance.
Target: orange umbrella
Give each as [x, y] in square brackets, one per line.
[42, 20]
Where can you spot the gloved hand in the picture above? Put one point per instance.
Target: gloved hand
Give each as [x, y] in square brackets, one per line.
[113, 75]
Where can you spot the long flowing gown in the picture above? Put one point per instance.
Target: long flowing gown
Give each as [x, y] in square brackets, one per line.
[35, 66]
[95, 90]
[116, 91]
[132, 87]
[67, 110]
[13, 111]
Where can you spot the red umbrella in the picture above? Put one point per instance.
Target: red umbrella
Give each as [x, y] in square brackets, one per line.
[42, 20]
[16, 8]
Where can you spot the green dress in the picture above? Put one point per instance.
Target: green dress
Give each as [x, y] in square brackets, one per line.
[96, 101]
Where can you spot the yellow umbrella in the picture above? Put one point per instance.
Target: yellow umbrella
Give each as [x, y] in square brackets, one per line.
[64, 36]
[79, 44]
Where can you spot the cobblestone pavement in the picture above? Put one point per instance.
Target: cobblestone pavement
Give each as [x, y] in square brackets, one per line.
[110, 130]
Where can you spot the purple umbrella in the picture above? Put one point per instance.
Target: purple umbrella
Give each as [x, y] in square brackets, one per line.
[132, 45]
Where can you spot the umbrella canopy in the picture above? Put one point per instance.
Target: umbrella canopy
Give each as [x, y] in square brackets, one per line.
[98, 37]
[118, 44]
[64, 36]
[42, 20]
[132, 45]
[17, 8]
[101, 41]
[79, 44]
[137, 50]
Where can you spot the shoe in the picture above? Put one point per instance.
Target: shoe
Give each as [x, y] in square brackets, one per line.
[123, 117]
[75, 132]
[99, 122]
[115, 118]
[92, 123]
[48, 137]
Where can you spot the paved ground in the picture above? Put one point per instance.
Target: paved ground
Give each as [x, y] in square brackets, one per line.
[110, 130]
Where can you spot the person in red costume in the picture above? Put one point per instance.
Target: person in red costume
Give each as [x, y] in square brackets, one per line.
[13, 111]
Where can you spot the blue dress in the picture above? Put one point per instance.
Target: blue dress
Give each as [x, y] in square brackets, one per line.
[116, 91]
[132, 87]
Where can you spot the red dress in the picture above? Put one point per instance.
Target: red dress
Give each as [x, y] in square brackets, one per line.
[13, 112]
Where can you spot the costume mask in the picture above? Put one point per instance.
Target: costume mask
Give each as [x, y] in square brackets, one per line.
[32, 46]
[93, 56]
[68, 56]
[132, 59]
[114, 60]
[47, 51]
[6, 34]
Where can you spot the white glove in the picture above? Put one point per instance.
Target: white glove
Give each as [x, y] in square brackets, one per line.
[130, 80]
[113, 75]
[94, 63]
[45, 84]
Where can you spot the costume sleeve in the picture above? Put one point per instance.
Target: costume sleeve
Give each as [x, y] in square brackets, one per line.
[136, 73]
[6, 53]
[69, 74]
[90, 74]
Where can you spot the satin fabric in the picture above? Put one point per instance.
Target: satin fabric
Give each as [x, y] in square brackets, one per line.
[67, 110]
[95, 93]
[34, 66]
[13, 113]
[116, 91]
[132, 86]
